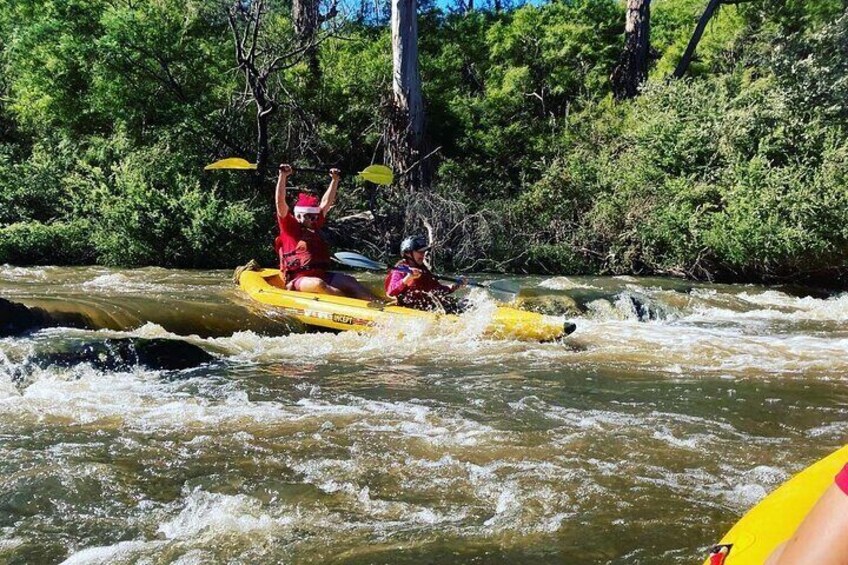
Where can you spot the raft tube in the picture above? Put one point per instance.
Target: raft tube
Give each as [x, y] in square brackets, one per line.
[339, 313]
[776, 517]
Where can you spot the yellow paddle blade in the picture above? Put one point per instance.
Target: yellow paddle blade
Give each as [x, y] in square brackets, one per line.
[378, 174]
[230, 163]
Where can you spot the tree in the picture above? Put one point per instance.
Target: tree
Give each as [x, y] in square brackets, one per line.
[170, 52]
[307, 20]
[712, 6]
[258, 59]
[632, 69]
[710, 10]
[405, 131]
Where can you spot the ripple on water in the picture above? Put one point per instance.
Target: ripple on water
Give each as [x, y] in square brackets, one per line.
[318, 447]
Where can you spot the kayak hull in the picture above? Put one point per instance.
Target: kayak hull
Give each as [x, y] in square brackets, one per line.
[351, 314]
[776, 517]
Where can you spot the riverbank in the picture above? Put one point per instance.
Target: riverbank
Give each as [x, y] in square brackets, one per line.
[734, 173]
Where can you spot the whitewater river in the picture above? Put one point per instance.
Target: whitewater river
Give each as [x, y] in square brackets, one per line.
[639, 439]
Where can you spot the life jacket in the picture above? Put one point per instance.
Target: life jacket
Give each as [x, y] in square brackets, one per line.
[423, 293]
[310, 254]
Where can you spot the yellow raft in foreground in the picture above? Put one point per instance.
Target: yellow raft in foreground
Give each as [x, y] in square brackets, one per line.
[339, 313]
[776, 517]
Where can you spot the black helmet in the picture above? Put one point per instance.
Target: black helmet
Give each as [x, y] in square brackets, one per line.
[414, 243]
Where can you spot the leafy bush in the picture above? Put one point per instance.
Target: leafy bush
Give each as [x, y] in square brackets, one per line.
[150, 211]
[34, 243]
[696, 178]
[111, 110]
[32, 189]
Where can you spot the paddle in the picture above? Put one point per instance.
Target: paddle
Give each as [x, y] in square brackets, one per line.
[362, 262]
[378, 174]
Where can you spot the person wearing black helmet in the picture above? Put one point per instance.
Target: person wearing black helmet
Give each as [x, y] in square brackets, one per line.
[412, 284]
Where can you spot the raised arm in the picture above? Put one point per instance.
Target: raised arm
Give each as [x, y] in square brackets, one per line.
[282, 180]
[329, 198]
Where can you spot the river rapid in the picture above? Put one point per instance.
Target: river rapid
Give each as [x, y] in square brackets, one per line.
[641, 438]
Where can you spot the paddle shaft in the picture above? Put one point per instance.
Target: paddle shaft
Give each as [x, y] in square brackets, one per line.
[378, 174]
[361, 262]
[309, 170]
[454, 280]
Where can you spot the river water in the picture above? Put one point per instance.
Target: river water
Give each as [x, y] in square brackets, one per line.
[639, 439]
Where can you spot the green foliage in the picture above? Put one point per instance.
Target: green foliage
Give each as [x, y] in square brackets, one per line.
[35, 243]
[32, 189]
[498, 87]
[149, 211]
[784, 220]
[170, 51]
[110, 109]
[779, 18]
[48, 64]
[811, 67]
[701, 179]
[674, 21]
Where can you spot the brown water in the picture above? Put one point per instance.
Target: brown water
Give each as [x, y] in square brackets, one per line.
[630, 442]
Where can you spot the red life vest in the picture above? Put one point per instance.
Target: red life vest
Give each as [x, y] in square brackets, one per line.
[300, 249]
[418, 290]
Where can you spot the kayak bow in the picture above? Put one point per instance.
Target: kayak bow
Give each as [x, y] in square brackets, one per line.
[777, 516]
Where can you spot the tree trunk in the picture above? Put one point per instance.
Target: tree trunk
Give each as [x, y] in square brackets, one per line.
[265, 107]
[245, 38]
[307, 20]
[262, 147]
[405, 131]
[632, 69]
[696, 38]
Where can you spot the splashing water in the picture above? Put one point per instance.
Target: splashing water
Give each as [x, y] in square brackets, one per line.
[640, 438]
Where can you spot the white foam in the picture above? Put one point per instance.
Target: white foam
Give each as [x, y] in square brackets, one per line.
[119, 283]
[833, 431]
[746, 496]
[206, 515]
[602, 309]
[565, 283]
[833, 308]
[127, 551]
[10, 544]
[682, 348]
[401, 338]
[26, 274]
[770, 306]
[692, 442]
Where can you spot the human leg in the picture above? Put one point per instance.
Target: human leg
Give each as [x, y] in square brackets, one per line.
[349, 286]
[315, 285]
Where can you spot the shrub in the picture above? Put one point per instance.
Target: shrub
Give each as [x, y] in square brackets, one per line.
[152, 210]
[34, 243]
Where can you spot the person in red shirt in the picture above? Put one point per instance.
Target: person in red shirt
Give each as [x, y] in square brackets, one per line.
[822, 538]
[304, 255]
[414, 286]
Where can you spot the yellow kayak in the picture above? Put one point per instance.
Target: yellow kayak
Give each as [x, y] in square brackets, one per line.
[776, 517]
[339, 313]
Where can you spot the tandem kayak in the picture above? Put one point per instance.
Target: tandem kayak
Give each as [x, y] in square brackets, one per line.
[777, 516]
[339, 313]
